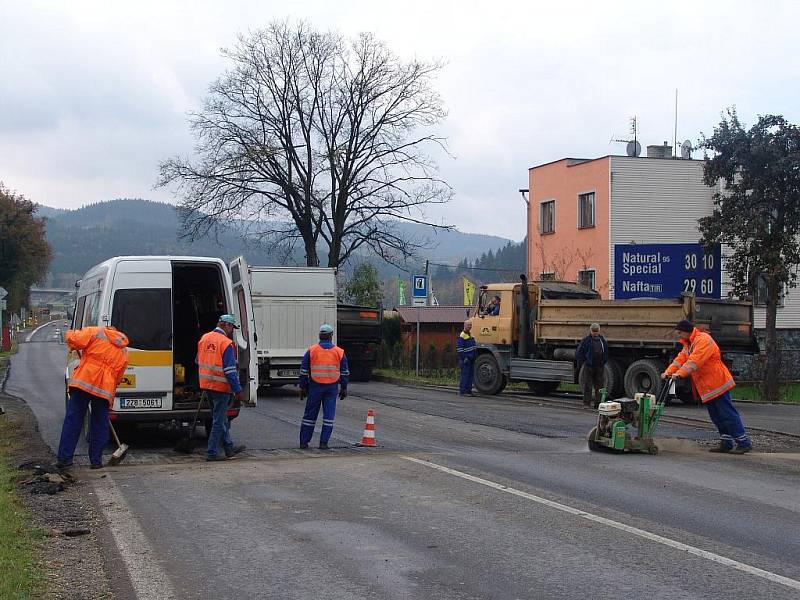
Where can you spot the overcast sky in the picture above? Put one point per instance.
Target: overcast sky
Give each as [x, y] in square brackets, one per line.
[94, 94]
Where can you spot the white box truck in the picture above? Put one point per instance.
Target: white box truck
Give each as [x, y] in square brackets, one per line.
[288, 306]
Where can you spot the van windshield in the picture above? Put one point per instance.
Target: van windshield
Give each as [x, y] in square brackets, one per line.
[145, 316]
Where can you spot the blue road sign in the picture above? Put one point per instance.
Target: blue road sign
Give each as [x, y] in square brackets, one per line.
[666, 270]
[419, 286]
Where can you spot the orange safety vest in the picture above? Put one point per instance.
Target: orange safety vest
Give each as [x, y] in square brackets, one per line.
[103, 360]
[325, 363]
[701, 360]
[210, 349]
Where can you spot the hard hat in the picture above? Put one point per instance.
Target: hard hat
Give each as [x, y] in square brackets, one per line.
[325, 328]
[229, 319]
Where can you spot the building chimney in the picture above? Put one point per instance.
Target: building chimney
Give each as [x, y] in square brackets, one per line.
[656, 151]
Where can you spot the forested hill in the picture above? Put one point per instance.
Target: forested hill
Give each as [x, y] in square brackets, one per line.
[86, 236]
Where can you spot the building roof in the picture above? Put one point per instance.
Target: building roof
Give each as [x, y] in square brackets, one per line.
[433, 314]
[571, 162]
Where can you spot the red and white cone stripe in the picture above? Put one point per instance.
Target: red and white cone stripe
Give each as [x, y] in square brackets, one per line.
[368, 439]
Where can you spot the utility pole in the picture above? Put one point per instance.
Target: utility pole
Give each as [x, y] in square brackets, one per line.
[427, 303]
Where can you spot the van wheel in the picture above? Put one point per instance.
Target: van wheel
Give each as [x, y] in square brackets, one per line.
[643, 376]
[488, 378]
[543, 388]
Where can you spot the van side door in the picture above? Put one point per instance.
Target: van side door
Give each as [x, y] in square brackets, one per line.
[245, 336]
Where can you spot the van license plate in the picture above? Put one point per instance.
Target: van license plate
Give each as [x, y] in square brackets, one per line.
[140, 402]
[288, 372]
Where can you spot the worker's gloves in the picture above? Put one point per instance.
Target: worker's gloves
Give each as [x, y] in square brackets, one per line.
[673, 376]
[301, 393]
[238, 396]
[342, 394]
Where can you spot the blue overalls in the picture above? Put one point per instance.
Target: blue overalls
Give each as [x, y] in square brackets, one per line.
[324, 394]
[466, 360]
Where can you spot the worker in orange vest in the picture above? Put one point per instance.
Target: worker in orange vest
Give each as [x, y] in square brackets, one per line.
[93, 383]
[323, 369]
[219, 380]
[701, 361]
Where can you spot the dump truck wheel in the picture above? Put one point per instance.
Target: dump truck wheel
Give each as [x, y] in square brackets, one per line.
[543, 388]
[488, 378]
[643, 376]
[612, 379]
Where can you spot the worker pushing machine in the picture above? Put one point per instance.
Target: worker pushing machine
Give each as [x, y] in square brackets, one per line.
[701, 361]
[219, 380]
[323, 370]
[93, 383]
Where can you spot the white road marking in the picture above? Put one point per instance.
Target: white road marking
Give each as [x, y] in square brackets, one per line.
[144, 572]
[32, 333]
[768, 575]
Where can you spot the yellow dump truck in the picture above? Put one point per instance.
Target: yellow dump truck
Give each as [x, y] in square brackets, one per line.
[539, 325]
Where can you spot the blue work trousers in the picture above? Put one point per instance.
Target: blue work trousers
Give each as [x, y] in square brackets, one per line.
[220, 426]
[728, 421]
[77, 404]
[467, 376]
[319, 394]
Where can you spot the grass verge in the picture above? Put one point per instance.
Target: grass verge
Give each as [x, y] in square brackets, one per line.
[789, 392]
[450, 377]
[19, 550]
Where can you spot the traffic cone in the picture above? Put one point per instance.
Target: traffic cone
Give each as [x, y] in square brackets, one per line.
[368, 439]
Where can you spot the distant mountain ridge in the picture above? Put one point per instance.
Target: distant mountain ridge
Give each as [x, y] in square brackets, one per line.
[85, 236]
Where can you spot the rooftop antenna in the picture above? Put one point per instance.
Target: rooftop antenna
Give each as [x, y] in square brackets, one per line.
[632, 147]
[686, 150]
[675, 139]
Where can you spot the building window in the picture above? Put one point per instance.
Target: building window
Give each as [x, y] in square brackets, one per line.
[587, 277]
[586, 210]
[761, 291]
[547, 276]
[547, 217]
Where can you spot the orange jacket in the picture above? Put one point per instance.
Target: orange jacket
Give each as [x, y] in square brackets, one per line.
[210, 349]
[325, 363]
[103, 360]
[701, 360]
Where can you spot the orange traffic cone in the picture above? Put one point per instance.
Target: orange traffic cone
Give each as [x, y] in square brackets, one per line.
[368, 439]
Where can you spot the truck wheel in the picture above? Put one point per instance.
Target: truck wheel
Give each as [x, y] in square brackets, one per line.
[614, 379]
[488, 378]
[543, 388]
[643, 376]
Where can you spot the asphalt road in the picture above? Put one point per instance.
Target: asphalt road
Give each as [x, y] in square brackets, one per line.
[466, 498]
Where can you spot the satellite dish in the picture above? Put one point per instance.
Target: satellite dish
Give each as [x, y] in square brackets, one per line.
[633, 148]
[686, 149]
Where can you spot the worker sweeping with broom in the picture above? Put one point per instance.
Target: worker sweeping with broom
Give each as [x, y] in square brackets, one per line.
[103, 359]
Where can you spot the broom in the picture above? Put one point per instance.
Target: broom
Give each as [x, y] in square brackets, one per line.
[122, 449]
[187, 444]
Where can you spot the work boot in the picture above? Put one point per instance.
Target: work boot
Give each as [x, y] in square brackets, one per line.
[63, 464]
[231, 452]
[741, 449]
[303, 446]
[721, 448]
[323, 446]
[215, 458]
[100, 466]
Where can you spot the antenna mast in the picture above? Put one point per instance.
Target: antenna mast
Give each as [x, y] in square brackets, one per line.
[675, 139]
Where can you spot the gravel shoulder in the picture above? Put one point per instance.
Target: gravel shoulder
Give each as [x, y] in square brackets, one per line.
[74, 560]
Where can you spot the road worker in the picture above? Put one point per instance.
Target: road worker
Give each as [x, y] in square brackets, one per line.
[593, 353]
[103, 359]
[219, 380]
[701, 361]
[323, 370]
[466, 359]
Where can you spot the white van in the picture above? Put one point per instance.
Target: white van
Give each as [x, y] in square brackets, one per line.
[164, 304]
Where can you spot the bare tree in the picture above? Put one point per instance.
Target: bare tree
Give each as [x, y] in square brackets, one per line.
[315, 139]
